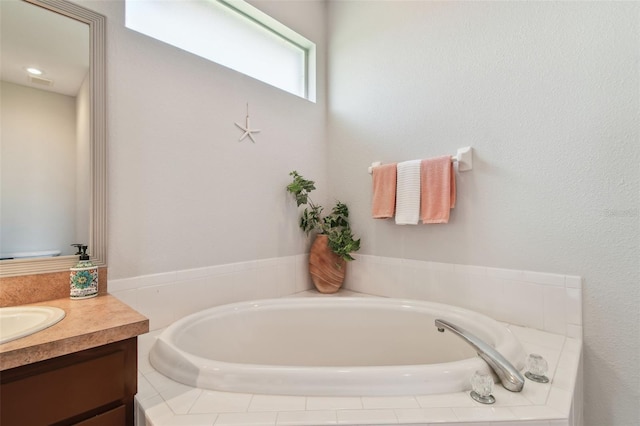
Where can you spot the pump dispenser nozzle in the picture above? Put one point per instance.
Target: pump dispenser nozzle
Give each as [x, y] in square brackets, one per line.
[82, 251]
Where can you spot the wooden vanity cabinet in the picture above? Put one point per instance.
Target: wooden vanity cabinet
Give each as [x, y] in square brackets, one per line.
[93, 387]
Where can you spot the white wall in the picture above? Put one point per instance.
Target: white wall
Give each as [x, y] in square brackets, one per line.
[183, 192]
[547, 94]
[38, 170]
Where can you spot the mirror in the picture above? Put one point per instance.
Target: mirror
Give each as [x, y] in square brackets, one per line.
[44, 106]
[53, 182]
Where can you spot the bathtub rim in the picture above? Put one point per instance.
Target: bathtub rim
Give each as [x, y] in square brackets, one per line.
[205, 373]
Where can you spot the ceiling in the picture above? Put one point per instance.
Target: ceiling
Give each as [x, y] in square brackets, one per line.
[35, 37]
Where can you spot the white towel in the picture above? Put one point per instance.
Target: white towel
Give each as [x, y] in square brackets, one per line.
[408, 193]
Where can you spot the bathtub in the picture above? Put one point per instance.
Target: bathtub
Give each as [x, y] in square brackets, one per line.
[29, 254]
[328, 347]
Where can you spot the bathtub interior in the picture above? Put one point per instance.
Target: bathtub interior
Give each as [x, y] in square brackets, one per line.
[318, 337]
[312, 333]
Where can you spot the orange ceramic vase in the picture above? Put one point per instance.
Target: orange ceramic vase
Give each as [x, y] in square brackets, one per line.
[326, 268]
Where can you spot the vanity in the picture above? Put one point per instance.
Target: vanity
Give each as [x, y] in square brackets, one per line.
[82, 370]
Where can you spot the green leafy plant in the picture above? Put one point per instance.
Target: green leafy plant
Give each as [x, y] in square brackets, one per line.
[335, 225]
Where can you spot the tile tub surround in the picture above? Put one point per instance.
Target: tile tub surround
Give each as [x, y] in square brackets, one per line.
[165, 298]
[162, 401]
[548, 302]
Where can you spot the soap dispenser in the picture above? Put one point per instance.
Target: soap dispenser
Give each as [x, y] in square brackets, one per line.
[84, 276]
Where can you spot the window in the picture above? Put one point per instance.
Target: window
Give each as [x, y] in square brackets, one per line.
[233, 34]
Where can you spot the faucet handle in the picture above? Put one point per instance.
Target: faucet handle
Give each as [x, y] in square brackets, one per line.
[482, 386]
[537, 368]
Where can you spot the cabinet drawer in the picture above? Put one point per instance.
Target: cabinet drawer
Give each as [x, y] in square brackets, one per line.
[69, 389]
[114, 417]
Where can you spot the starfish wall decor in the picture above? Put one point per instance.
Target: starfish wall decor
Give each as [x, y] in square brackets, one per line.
[248, 131]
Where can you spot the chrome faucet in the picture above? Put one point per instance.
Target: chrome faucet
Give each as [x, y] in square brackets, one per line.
[509, 376]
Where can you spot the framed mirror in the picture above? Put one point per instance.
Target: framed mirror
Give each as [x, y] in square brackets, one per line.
[53, 183]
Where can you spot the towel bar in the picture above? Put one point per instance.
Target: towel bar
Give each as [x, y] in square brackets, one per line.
[464, 158]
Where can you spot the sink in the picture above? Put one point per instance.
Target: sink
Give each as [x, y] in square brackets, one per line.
[21, 321]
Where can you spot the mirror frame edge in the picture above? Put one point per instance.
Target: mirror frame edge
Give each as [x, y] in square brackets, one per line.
[98, 153]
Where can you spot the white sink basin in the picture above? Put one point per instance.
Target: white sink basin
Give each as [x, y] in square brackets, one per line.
[21, 321]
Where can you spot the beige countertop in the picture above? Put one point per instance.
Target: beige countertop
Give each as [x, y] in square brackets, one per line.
[88, 323]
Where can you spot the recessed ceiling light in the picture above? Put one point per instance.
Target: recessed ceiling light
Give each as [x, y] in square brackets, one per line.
[34, 71]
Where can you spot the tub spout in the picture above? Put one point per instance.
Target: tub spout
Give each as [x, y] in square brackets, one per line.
[509, 376]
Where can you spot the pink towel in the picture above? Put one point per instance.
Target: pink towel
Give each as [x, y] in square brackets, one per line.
[384, 191]
[438, 187]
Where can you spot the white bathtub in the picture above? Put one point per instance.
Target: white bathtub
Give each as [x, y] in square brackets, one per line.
[30, 254]
[328, 347]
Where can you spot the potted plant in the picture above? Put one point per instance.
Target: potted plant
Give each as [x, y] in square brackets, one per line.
[334, 241]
